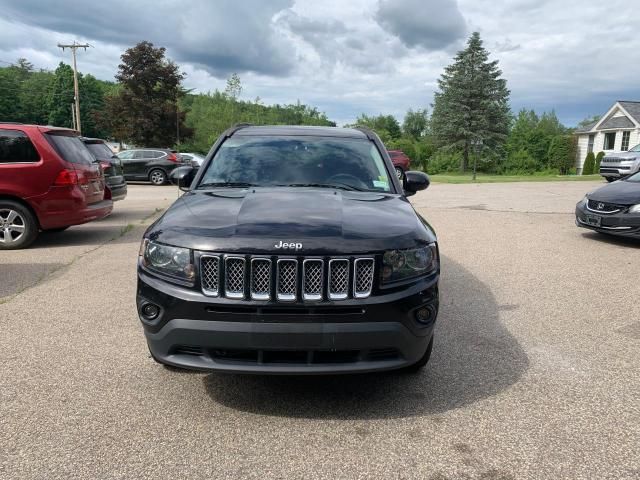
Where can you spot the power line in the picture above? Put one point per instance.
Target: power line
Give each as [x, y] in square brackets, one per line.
[74, 47]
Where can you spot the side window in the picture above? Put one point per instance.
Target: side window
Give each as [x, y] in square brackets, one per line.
[139, 154]
[16, 147]
[126, 155]
[156, 154]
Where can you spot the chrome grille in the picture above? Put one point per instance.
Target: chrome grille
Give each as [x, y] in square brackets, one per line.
[604, 207]
[362, 277]
[234, 277]
[312, 277]
[260, 279]
[210, 274]
[338, 279]
[287, 279]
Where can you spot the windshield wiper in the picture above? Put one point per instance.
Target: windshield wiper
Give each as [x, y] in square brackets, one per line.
[341, 186]
[227, 184]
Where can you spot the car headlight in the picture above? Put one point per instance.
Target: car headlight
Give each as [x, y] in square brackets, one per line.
[634, 209]
[166, 260]
[585, 200]
[403, 264]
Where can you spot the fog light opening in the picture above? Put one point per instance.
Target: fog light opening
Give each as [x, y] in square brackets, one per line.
[150, 311]
[425, 315]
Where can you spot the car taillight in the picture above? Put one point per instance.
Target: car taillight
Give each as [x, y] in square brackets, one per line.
[172, 157]
[105, 166]
[66, 178]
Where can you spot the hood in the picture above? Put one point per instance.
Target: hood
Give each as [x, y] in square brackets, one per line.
[620, 192]
[323, 220]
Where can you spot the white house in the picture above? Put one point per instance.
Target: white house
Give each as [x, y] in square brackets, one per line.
[617, 131]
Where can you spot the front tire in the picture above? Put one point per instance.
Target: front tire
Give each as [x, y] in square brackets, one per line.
[157, 177]
[610, 179]
[18, 226]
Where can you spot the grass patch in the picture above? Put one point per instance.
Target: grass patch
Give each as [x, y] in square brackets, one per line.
[485, 178]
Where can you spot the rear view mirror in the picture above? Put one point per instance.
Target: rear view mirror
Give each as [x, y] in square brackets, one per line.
[182, 177]
[414, 182]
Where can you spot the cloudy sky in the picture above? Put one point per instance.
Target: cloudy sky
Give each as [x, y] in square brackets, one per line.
[350, 56]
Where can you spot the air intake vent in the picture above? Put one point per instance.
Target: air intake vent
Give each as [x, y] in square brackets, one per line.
[287, 279]
[312, 277]
[362, 277]
[210, 275]
[234, 277]
[338, 279]
[260, 279]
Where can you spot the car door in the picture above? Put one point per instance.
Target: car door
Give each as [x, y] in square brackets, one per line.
[140, 160]
[127, 163]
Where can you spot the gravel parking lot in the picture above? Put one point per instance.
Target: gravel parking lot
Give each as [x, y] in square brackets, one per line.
[535, 371]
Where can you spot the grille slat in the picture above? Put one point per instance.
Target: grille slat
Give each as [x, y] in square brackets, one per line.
[362, 277]
[287, 279]
[312, 279]
[255, 278]
[260, 279]
[604, 207]
[234, 277]
[210, 275]
[338, 279]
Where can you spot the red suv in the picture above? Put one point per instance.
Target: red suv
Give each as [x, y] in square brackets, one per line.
[400, 161]
[48, 181]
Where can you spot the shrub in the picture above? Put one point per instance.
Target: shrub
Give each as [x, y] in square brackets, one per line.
[596, 168]
[589, 164]
[520, 162]
[562, 153]
[443, 161]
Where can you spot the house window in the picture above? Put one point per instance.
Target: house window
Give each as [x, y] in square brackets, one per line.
[609, 140]
[625, 141]
[592, 138]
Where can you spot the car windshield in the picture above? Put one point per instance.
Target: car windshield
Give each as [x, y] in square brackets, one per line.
[348, 163]
[635, 149]
[633, 178]
[100, 151]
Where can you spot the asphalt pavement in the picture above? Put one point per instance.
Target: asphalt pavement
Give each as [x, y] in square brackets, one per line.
[535, 372]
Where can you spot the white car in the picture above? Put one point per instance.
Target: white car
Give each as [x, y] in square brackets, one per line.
[195, 158]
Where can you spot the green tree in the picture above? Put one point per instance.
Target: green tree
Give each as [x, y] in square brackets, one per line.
[91, 104]
[33, 98]
[562, 153]
[472, 102]
[60, 97]
[589, 121]
[599, 158]
[589, 164]
[9, 91]
[415, 124]
[147, 102]
[234, 87]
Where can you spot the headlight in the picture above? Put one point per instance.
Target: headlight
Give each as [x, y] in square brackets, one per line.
[403, 264]
[166, 260]
[634, 209]
[585, 200]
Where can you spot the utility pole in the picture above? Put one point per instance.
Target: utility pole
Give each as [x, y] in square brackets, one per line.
[75, 46]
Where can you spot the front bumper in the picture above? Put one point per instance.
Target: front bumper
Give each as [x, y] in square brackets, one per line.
[623, 224]
[202, 333]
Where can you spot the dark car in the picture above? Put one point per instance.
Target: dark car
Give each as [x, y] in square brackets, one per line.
[401, 162]
[293, 251]
[48, 181]
[116, 185]
[150, 164]
[614, 208]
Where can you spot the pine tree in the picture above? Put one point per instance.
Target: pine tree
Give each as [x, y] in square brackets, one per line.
[472, 103]
[589, 164]
[60, 97]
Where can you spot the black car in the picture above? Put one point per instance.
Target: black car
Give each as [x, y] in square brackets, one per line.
[150, 164]
[111, 165]
[293, 251]
[614, 208]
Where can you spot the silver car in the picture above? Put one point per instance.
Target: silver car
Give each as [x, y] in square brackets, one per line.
[619, 165]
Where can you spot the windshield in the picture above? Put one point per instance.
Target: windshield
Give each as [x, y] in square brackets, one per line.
[100, 151]
[298, 161]
[633, 178]
[635, 149]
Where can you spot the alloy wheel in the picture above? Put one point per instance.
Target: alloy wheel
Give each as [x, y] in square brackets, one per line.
[12, 226]
[157, 177]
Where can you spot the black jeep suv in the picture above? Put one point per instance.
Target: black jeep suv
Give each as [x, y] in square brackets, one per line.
[295, 251]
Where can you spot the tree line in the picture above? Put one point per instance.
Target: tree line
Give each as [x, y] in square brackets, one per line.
[470, 119]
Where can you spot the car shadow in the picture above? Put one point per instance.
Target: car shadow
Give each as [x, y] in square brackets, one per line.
[18, 276]
[612, 239]
[474, 357]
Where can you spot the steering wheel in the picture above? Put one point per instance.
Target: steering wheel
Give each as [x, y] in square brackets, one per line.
[348, 179]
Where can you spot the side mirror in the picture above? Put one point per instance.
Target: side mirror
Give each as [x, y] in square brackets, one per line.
[182, 177]
[414, 182]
